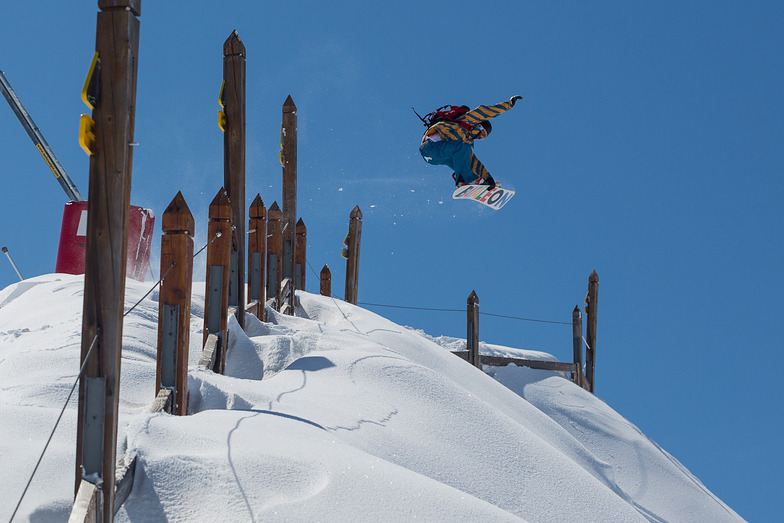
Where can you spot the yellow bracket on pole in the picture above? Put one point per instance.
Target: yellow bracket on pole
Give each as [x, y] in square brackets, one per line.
[344, 250]
[90, 88]
[280, 153]
[87, 133]
[222, 103]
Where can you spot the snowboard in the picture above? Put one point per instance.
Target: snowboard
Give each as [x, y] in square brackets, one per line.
[493, 198]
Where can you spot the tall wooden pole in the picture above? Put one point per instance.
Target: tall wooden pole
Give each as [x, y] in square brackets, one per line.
[300, 258]
[325, 283]
[352, 262]
[174, 302]
[274, 247]
[234, 164]
[577, 344]
[472, 334]
[216, 299]
[257, 254]
[117, 43]
[288, 158]
[592, 304]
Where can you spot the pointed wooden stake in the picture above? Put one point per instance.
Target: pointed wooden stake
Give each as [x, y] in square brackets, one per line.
[216, 296]
[352, 263]
[274, 252]
[592, 304]
[472, 335]
[289, 208]
[174, 302]
[257, 254]
[234, 164]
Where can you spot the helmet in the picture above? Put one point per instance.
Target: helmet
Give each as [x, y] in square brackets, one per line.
[487, 126]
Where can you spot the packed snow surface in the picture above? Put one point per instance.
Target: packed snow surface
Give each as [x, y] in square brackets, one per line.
[336, 414]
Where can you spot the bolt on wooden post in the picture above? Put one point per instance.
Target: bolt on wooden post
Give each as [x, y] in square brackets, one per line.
[274, 248]
[257, 254]
[216, 297]
[592, 305]
[234, 164]
[472, 335]
[117, 44]
[174, 309]
[353, 240]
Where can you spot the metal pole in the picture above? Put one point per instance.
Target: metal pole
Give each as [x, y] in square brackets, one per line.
[5, 250]
[38, 139]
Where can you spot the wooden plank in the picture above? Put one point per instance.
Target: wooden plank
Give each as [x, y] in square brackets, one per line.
[286, 303]
[87, 505]
[253, 308]
[117, 42]
[124, 485]
[234, 164]
[163, 402]
[498, 361]
[209, 352]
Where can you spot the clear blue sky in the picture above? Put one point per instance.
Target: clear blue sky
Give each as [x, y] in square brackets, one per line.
[647, 146]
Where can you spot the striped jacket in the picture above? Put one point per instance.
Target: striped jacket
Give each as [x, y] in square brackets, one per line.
[455, 131]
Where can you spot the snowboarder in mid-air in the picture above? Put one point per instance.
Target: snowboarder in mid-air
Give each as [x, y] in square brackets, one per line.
[449, 139]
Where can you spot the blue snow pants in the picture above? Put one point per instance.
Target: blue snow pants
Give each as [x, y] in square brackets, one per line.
[452, 153]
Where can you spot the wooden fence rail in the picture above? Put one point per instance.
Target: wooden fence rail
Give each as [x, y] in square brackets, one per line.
[584, 380]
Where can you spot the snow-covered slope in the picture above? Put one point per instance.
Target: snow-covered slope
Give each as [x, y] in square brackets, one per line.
[336, 414]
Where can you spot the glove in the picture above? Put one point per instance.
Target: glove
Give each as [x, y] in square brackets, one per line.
[513, 99]
[489, 181]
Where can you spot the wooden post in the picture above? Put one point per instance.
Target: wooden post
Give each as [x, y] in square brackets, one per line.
[174, 302]
[286, 302]
[216, 296]
[472, 336]
[325, 289]
[117, 43]
[234, 164]
[274, 248]
[288, 158]
[577, 344]
[354, 239]
[257, 254]
[300, 258]
[592, 303]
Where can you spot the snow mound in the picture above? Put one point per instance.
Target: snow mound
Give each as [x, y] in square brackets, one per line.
[335, 413]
